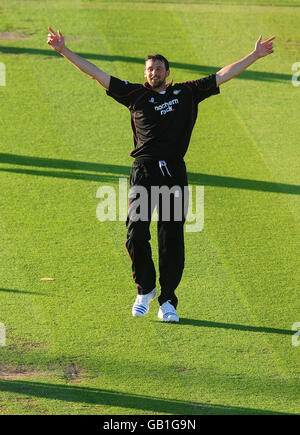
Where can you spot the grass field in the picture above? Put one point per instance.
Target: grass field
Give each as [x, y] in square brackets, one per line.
[72, 346]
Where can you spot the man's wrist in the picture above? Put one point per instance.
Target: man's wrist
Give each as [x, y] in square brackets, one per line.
[255, 55]
[63, 50]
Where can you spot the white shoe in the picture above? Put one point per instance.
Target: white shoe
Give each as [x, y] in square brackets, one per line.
[167, 313]
[141, 306]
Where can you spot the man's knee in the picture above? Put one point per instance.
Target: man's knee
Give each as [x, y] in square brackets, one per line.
[138, 232]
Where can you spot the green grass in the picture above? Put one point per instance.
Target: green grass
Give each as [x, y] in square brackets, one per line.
[73, 341]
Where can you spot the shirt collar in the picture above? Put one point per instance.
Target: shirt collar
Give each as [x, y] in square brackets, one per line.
[147, 86]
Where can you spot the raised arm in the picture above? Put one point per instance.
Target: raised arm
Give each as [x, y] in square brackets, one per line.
[261, 49]
[57, 42]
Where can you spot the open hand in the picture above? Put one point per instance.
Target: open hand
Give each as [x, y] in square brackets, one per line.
[56, 41]
[264, 48]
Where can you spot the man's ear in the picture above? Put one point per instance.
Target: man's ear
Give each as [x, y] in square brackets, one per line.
[168, 73]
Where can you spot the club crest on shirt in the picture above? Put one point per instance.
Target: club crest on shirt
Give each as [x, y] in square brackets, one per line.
[152, 100]
[176, 91]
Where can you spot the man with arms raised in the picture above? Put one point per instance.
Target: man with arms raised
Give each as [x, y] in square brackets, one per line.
[162, 119]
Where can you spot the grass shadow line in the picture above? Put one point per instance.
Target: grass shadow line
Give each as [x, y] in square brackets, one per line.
[242, 183]
[23, 292]
[199, 69]
[16, 159]
[64, 174]
[111, 398]
[117, 171]
[237, 327]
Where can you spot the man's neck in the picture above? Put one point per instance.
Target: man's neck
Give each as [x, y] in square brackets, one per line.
[162, 88]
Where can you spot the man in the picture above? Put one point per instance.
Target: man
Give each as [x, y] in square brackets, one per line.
[162, 118]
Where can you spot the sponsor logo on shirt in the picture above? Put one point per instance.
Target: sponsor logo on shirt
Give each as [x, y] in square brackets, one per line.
[167, 107]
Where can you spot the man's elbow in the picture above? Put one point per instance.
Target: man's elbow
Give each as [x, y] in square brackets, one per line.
[221, 78]
[103, 81]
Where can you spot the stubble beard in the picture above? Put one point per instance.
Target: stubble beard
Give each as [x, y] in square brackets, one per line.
[155, 84]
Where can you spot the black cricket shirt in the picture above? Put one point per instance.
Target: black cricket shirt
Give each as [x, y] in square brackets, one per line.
[162, 124]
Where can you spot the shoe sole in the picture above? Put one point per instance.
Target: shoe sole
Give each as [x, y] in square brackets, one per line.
[170, 320]
[174, 320]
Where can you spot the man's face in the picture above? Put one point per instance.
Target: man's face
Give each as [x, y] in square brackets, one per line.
[156, 73]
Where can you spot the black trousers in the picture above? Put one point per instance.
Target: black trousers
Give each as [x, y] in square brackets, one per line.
[161, 185]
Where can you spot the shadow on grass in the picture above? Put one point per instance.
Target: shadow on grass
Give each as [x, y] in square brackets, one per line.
[110, 398]
[243, 183]
[67, 175]
[15, 159]
[23, 292]
[199, 69]
[111, 173]
[208, 324]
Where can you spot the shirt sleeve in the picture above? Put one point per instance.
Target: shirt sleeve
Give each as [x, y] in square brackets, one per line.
[122, 91]
[204, 87]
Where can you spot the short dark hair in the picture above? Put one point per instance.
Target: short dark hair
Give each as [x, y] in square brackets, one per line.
[158, 57]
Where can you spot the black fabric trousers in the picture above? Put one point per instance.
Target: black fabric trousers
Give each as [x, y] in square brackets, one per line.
[164, 187]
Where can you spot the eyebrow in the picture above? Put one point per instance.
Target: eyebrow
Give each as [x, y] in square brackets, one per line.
[159, 66]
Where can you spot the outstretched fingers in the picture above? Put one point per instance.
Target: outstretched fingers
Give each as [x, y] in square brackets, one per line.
[268, 45]
[52, 31]
[270, 39]
[264, 48]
